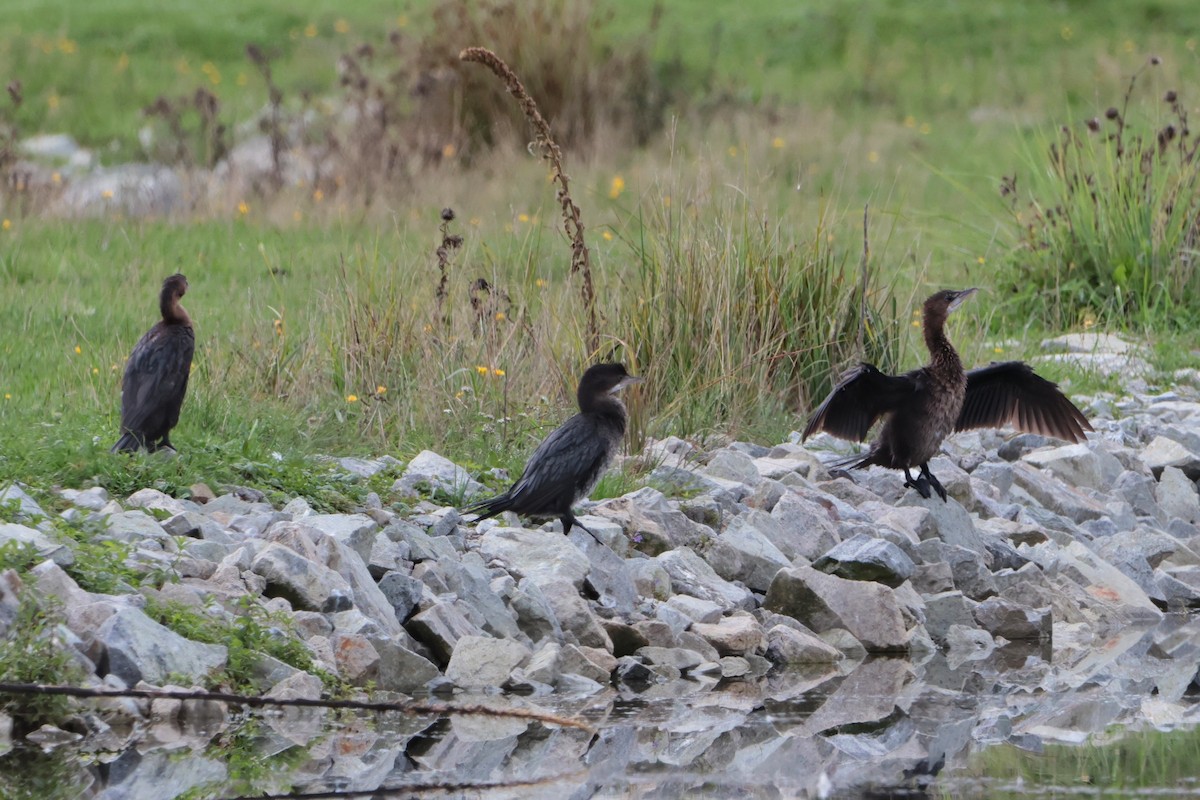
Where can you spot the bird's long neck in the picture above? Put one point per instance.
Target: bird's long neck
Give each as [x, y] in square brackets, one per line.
[942, 354]
[173, 312]
[605, 405]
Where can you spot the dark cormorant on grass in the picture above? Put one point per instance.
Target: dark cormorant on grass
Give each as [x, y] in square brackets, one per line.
[922, 407]
[566, 466]
[156, 376]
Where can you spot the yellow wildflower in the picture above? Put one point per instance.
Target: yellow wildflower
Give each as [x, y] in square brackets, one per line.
[243, 208]
[617, 186]
[402, 21]
[476, 221]
[6, 224]
[242, 80]
[997, 349]
[67, 46]
[777, 143]
[733, 151]
[341, 26]
[540, 283]
[310, 30]
[123, 62]
[482, 370]
[78, 350]
[107, 194]
[1127, 46]
[522, 218]
[449, 150]
[1066, 33]
[95, 370]
[499, 373]
[351, 398]
[182, 66]
[926, 128]
[981, 260]
[608, 237]
[52, 101]
[872, 156]
[381, 389]
[501, 316]
[56, 178]
[296, 215]
[318, 195]
[7, 396]
[667, 201]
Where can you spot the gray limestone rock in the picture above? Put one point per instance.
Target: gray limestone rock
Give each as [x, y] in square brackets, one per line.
[19, 535]
[306, 584]
[735, 635]
[1005, 618]
[536, 555]
[696, 609]
[677, 657]
[402, 591]
[481, 662]
[432, 471]
[821, 602]
[440, 628]
[138, 648]
[864, 558]
[788, 646]
[574, 615]
[1079, 465]
[1176, 495]
[691, 575]
[401, 669]
[808, 529]
[944, 611]
[1163, 452]
[742, 553]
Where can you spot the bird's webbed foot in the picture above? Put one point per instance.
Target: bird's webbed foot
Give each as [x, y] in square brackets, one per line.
[920, 484]
[569, 521]
[926, 475]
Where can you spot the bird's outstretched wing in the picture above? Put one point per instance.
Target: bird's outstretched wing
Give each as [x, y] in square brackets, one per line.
[1011, 393]
[864, 395]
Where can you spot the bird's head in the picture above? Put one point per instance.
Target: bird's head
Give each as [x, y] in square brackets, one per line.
[603, 379]
[176, 286]
[938, 306]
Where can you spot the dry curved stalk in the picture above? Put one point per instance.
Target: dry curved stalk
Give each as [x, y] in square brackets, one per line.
[572, 222]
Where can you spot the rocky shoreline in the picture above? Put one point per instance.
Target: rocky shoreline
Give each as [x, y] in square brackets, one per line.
[730, 565]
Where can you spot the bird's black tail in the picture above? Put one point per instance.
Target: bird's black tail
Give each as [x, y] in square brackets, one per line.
[128, 443]
[489, 508]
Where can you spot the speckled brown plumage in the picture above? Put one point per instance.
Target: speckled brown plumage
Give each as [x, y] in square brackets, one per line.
[920, 408]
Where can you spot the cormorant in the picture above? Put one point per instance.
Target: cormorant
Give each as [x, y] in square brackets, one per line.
[156, 376]
[922, 407]
[566, 466]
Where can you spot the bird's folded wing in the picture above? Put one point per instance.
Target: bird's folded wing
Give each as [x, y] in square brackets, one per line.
[155, 376]
[864, 395]
[568, 458]
[1011, 393]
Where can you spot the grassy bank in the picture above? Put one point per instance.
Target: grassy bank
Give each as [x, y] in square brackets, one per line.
[726, 249]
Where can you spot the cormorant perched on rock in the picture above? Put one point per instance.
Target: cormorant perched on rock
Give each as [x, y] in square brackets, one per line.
[156, 376]
[922, 407]
[566, 466]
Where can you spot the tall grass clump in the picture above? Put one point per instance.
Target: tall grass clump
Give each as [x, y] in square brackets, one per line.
[1111, 227]
[742, 321]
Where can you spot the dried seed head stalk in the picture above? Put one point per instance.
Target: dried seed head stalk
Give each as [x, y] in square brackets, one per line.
[450, 243]
[580, 258]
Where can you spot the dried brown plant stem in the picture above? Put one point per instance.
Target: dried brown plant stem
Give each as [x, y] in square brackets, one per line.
[254, 701]
[572, 222]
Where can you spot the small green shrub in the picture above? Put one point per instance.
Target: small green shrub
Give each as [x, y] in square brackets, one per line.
[1111, 232]
[32, 651]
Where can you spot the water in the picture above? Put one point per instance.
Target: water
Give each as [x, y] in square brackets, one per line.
[1109, 718]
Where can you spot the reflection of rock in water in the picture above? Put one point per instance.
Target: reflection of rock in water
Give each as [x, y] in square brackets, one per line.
[884, 728]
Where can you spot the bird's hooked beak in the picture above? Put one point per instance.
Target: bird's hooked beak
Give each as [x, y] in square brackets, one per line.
[628, 380]
[959, 297]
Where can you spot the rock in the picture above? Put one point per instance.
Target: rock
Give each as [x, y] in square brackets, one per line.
[731, 465]
[863, 558]
[402, 591]
[574, 615]
[944, 611]
[440, 628]
[1176, 495]
[129, 190]
[651, 523]
[356, 531]
[401, 669]
[138, 648]
[947, 521]
[356, 658]
[742, 553]
[51, 146]
[432, 471]
[696, 609]
[676, 657]
[821, 602]
[691, 575]
[1079, 465]
[788, 646]
[651, 580]
[576, 661]
[971, 575]
[27, 508]
[1004, 618]
[1163, 452]
[965, 643]
[733, 636]
[11, 532]
[481, 662]
[297, 686]
[537, 555]
[306, 584]
[809, 530]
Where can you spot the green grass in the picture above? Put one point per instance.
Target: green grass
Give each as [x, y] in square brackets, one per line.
[726, 273]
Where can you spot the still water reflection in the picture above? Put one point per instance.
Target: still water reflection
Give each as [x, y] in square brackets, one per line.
[1115, 718]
